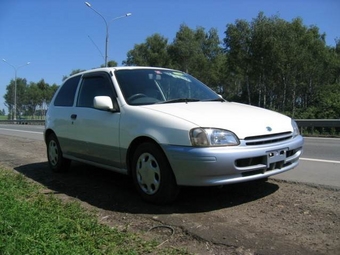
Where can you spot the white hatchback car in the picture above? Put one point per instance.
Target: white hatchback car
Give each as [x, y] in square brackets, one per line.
[166, 129]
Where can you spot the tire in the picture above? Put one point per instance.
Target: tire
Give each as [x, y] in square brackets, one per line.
[56, 161]
[152, 175]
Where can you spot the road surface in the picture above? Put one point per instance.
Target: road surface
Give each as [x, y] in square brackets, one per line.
[319, 164]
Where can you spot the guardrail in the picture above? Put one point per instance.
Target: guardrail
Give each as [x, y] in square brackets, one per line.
[318, 123]
[23, 122]
[319, 127]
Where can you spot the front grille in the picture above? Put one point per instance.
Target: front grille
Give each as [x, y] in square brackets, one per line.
[262, 164]
[266, 139]
[272, 166]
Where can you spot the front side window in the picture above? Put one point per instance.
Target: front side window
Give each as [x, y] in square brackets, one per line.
[93, 86]
[67, 92]
[150, 86]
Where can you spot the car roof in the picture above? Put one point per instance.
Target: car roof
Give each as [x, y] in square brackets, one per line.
[107, 69]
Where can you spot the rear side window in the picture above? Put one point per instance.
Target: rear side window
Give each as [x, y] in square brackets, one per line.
[67, 92]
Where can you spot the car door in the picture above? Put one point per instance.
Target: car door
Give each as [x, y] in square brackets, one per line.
[97, 130]
[60, 115]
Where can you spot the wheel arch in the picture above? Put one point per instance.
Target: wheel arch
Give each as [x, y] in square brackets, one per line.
[47, 133]
[134, 145]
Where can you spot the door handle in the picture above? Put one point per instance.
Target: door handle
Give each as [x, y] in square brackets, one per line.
[73, 116]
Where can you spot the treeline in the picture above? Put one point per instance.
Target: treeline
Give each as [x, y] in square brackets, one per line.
[32, 98]
[267, 62]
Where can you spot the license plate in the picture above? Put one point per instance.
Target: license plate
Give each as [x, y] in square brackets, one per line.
[276, 156]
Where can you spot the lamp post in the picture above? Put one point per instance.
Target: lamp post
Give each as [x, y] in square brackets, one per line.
[107, 24]
[15, 86]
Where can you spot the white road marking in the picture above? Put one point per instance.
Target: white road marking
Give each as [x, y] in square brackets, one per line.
[23, 131]
[321, 160]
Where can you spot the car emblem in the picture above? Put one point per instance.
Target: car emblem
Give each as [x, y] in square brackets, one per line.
[269, 129]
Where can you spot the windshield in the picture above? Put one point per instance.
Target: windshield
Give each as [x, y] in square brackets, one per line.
[151, 86]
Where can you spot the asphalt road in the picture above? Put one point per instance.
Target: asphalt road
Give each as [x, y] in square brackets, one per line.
[27, 131]
[319, 164]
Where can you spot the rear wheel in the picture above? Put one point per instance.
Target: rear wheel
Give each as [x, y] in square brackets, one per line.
[152, 175]
[56, 161]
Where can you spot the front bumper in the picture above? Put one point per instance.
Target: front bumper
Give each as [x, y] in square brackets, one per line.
[212, 166]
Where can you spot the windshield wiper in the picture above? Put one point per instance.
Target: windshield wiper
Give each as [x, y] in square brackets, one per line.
[219, 99]
[181, 100]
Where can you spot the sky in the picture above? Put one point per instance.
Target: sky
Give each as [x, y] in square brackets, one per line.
[58, 36]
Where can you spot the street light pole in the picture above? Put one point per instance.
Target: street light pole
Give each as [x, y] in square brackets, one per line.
[107, 24]
[15, 86]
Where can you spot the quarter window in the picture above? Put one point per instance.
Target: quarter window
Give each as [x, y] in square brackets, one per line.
[67, 92]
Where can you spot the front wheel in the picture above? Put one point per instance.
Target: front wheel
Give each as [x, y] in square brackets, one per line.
[152, 175]
[56, 161]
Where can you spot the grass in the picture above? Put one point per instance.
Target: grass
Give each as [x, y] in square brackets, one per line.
[35, 223]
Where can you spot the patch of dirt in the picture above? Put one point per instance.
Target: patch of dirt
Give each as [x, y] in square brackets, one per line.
[273, 217]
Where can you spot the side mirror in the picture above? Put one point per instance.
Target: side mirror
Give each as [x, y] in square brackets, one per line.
[104, 103]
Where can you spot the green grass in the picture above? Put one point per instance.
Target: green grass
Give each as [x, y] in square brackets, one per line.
[35, 223]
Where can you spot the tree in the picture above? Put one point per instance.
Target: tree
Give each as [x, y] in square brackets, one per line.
[45, 97]
[213, 73]
[50, 93]
[111, 63]
[185, 50]
[335, 60]
[31, 98]
[278, 64]
[34, 97]
[9, 96]
[199, 53]
[237, 48]
[154, 52]
[75, 71]
[193, 51]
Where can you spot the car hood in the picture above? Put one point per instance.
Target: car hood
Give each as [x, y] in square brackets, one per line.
[243, 120]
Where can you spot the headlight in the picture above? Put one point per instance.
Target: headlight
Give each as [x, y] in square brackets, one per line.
[212, 137]
[296, 130]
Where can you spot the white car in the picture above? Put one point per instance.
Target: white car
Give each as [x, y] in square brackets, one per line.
[166, 129]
